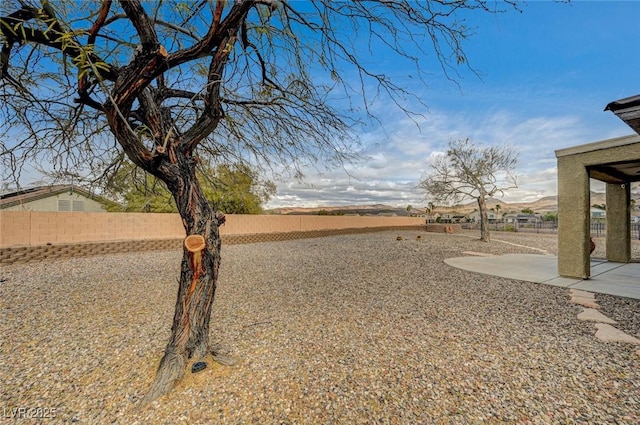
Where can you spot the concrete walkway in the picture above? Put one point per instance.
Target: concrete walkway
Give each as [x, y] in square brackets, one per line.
[620, 279]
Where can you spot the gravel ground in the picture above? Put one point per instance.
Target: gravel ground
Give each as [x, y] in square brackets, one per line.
[355, 329]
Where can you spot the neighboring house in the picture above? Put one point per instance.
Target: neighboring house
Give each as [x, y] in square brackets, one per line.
[598, 213]
[432, 217]
[510, 218]
[492, 216]
[52, 198]
[528, 218]
[452, 218]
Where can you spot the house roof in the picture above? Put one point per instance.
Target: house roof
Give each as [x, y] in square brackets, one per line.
[23, 196]
[628, 110]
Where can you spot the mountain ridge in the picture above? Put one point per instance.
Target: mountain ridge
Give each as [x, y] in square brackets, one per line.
[542, 205]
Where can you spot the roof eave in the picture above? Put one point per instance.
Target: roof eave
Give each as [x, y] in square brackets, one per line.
[628, 110]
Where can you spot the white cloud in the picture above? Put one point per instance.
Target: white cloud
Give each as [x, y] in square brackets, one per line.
[399, 153]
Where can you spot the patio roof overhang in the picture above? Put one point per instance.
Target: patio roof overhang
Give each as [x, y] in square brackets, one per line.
[615, 161]
[628, 110]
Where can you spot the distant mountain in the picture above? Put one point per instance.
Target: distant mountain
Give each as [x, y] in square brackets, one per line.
[375, 209]
[542, 205]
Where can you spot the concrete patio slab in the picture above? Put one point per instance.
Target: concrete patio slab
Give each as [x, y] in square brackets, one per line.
[599, 267]
[564, 282]
[527, 267]
[620, 279]
[630, 270]
[609, 284]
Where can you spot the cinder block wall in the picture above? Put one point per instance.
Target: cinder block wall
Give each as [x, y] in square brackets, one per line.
[24, 228]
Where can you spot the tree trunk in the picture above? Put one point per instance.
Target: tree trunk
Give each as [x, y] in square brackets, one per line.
[484, 220]
[198, 277]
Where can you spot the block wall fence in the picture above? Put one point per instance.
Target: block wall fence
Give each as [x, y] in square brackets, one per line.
[26, 236]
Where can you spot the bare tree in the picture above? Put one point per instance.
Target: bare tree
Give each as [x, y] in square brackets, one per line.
[470, 171]
[172, 84]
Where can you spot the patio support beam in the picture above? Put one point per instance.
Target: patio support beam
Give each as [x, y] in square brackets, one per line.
[619, 222]
[573, 223]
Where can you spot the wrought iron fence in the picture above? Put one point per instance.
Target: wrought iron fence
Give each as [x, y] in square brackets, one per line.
[598, 229]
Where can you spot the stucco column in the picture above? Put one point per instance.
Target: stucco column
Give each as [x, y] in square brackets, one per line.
[573, 218]
[618, 223]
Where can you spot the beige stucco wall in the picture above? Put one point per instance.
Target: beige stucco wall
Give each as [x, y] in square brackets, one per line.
[50, 203]
[574, 198]
[24, 228]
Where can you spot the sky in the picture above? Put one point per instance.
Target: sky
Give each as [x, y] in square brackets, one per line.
[546, 75]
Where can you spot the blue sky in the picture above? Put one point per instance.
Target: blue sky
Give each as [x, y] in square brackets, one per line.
[546, 75]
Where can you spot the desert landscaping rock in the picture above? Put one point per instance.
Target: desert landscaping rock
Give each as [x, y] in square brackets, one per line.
[346, 329]
[625, 311]
[582, 294]
[593, 315]
[610, 334]
[585, 302]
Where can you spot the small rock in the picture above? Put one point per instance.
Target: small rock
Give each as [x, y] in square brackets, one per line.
[198, 366]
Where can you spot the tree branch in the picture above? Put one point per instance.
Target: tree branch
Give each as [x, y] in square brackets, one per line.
[12, 27]
[143, 25]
